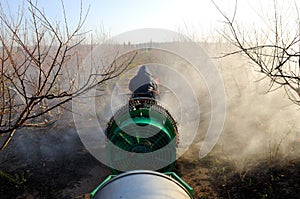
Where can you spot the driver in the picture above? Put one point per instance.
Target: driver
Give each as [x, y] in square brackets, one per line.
[143, 85]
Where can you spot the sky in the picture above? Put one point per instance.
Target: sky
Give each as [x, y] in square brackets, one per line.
[117, 16]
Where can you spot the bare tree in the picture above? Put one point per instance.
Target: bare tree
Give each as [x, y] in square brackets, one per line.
[275, 49]
[35, 78]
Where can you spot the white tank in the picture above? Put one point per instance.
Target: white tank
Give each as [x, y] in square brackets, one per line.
[142, 184]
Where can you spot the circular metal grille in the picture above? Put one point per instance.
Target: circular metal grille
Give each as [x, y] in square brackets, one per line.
[141, 128]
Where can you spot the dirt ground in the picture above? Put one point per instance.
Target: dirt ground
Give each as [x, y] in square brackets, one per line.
[75, 173]
[53, 174]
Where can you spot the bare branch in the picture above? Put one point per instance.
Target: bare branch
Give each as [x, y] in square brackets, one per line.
[35, 74]
[277, 55]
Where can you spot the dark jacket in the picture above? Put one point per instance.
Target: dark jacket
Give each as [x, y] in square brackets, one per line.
[143, 83]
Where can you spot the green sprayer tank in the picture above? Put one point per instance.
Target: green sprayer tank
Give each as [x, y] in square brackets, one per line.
[141, 135]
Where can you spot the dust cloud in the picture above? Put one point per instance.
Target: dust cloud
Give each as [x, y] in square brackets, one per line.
[260, 125]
